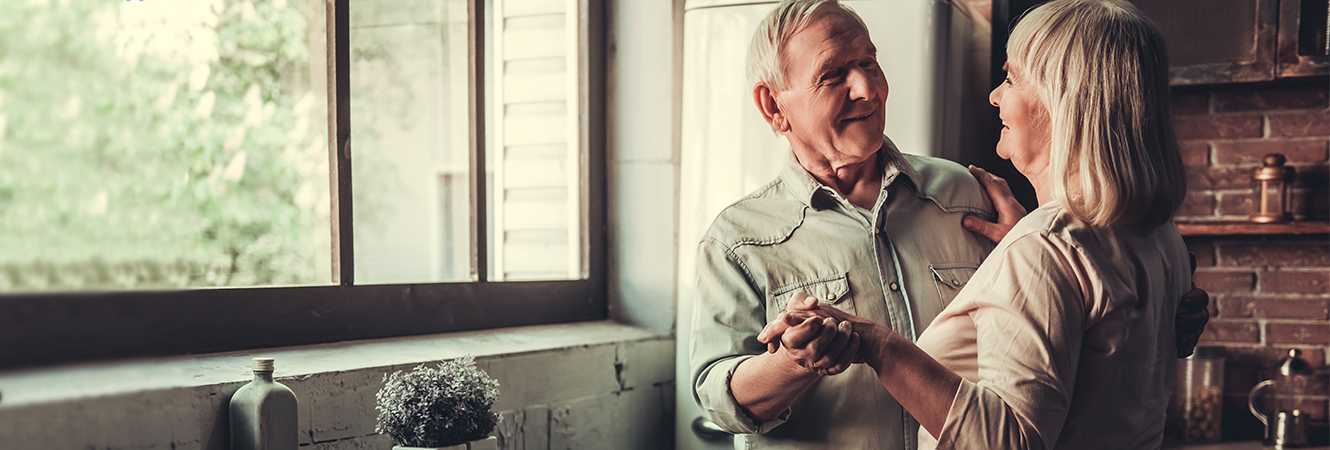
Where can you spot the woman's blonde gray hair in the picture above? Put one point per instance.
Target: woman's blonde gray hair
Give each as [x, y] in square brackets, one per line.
[765, 64]
[1101, 71]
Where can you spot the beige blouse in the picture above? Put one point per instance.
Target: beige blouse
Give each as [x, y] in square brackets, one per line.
[1064, 338]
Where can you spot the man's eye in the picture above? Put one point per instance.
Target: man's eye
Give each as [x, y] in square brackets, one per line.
[833, 75]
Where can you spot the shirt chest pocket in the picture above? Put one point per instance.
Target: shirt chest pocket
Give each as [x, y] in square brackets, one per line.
[949, 278]
[833, 289]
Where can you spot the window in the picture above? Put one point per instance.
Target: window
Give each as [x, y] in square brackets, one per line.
[214, 175]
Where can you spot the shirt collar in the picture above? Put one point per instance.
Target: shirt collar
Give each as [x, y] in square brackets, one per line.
[804, 186]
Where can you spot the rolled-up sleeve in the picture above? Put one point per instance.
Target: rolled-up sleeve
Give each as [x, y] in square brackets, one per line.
[728, 314]
[1029, 321]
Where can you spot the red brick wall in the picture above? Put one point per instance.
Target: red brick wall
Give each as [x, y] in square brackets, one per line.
[1268, 293]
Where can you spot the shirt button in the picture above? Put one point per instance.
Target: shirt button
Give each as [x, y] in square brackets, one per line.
[956, 282]
[894, 286]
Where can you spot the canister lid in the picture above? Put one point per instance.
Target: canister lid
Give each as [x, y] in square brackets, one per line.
[1273, 168]
[263, 364]
[1294, 365]
[1207, 353]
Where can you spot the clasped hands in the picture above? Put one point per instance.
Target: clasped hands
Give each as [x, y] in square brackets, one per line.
[818, 338]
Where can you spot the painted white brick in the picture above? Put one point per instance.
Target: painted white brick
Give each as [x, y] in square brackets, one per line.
[196, 414]
[535, 429]
[623, 420]
[546, 377]
[489, 443]
[337, 404]
[371, 442]
[646, 363]
[341, 404]
[510, 435]
[527, 429]
[17, 426]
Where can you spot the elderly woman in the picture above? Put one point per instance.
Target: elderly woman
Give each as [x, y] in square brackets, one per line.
[1063, 337]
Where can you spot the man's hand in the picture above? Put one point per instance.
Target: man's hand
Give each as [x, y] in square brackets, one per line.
[1008, 209]
[1192, 315]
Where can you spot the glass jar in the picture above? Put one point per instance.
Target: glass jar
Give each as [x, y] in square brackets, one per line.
[1195, 411]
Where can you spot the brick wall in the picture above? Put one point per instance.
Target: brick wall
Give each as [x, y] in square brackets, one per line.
[1268, 293]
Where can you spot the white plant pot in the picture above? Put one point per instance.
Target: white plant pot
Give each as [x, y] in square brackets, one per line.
[489, 443]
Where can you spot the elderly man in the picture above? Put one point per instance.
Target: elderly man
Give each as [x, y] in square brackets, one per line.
[851, 221]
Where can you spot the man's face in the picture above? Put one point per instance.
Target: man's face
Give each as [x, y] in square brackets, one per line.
[835, 96]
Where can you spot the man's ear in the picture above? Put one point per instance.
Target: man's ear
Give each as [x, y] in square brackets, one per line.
[765, 99]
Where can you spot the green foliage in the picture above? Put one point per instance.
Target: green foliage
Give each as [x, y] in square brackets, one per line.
[183, 146]
[438, 407]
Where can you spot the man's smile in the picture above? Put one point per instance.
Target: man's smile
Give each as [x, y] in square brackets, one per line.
[859, 116]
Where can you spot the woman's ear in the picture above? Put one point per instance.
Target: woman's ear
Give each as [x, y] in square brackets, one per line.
[765, 98]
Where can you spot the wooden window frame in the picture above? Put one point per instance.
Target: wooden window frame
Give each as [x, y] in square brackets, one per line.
[52, 328]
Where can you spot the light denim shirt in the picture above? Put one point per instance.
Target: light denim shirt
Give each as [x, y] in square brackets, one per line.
[796, 235]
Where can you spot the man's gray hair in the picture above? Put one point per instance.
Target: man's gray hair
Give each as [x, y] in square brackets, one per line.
[765, 64]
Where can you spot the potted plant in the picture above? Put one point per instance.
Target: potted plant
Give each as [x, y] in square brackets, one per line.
[433, 408]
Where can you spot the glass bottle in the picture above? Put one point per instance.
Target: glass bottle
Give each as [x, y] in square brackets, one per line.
[263, 413]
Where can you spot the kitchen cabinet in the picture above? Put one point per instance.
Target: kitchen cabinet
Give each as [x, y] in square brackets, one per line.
[1236, 41]
[1220, 42]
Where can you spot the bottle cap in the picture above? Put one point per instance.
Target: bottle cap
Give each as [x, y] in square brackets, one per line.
[263, 364]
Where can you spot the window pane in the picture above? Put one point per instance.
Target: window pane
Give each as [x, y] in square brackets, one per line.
[535, 143]
[162, 144]
[409, 125]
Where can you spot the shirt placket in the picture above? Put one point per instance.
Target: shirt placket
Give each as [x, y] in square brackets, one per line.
[899, 313]
[889, 270]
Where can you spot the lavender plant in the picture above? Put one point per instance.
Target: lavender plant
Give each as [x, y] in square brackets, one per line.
[438, 407]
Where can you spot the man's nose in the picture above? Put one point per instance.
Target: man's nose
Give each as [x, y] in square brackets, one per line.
[860, 83]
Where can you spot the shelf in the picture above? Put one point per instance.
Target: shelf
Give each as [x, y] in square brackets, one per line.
[1249, 228]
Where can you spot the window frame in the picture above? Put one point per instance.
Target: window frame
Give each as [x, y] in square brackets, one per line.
[51, 328]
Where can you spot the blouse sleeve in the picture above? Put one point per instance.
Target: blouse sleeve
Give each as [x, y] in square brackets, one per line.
[1028, 316]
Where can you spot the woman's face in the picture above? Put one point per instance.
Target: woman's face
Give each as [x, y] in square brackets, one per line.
[1025, 134]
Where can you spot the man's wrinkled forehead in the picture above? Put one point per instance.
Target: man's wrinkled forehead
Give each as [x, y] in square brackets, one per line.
[836, 17]
[846, 29]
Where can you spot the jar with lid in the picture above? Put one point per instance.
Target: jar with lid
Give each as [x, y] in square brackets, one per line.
[1195, 410]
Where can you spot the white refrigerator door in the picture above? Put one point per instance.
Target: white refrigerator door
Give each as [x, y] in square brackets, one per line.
[728, 150]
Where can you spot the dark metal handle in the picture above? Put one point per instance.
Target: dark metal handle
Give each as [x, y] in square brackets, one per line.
[708, 431]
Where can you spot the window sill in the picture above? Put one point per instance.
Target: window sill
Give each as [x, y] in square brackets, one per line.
[81, 381]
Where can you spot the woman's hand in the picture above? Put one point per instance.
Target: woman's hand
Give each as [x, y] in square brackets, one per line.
[1009, 210]
[801, 309]
[820, 345]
